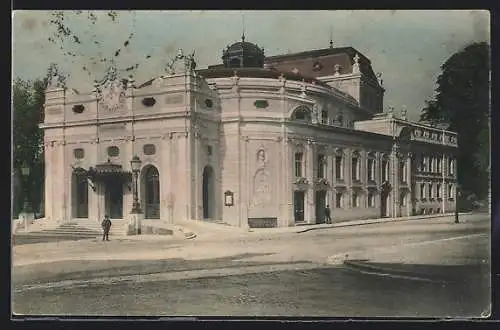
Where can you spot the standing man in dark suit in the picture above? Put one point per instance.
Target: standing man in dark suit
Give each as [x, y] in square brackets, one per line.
[328, 219]
[106, 226]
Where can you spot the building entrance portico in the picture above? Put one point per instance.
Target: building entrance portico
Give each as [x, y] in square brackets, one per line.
[113, 197]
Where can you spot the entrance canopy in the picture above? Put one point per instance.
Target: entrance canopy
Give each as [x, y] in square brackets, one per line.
[108, 170]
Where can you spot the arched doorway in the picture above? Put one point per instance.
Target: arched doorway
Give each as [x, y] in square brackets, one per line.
[208, 193]
[80, 194]
[151, 186]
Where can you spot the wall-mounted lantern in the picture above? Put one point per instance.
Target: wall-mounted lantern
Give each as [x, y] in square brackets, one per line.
[228, 198]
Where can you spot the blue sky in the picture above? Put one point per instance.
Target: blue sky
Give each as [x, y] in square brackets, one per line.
[408, 47]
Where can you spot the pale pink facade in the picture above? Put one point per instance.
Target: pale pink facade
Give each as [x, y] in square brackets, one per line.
[283, 147]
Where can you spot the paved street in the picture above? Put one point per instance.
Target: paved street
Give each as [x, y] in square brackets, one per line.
[440, 269]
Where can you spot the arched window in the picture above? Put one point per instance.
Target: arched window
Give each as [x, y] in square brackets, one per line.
[302, 114]
[151, 192]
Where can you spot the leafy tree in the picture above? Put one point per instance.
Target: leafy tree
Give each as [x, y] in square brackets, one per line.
[28, 99]
[462, 100]
[84, 45]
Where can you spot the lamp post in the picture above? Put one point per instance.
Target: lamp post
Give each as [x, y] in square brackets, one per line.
[25, 171]
[457, 197]
[136, 212]
[135, 164]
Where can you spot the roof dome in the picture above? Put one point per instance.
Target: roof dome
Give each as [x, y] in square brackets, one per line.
[243, 54]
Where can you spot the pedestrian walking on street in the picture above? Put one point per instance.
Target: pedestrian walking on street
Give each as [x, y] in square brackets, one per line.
[328, 219]
[106, 226]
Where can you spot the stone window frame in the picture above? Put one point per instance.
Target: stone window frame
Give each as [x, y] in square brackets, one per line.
[302, 109]
[339, 203]
[321, 165]
[422, 191]
[339, 172]
[430, 187]
[355, 198]
[298, 163]
[371, 157]
[451, 191]
[148, 101]
[356, 171]
[385, 167]
[370, 199]
[402, 171]
[108, 151]
[78, 109]
[76, 150]
[439, 191]
[149, 145]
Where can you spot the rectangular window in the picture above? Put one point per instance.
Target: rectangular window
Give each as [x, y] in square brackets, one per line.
[438, 190]
[209, 150]
[385, 170]
[298, 164]
[439, 165]
[355, 198]
[338, 200]
[431, 193]
[451, 195]
[324, 117]
[321, 166]
[338, 168]
[422, 191]
[402, 172]
[451, 166]
[371, 199]
[371, 169]
[355, 169]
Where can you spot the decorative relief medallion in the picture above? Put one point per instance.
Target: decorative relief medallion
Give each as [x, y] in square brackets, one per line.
[261, 157]
[262, 188]
[111, 91]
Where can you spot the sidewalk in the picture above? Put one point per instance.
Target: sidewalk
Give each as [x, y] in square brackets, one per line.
[347, 223]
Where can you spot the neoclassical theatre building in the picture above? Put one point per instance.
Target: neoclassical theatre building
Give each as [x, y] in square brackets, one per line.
[256, 141]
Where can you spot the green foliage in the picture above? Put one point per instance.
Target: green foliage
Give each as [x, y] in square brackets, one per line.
[28, 99]
[462, 100]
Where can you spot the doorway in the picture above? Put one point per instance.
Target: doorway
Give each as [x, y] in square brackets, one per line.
[113, 198]
[298, 206]
[384, 198]
[320, 202]
[151, 185]
[208, 193]
[80, 192]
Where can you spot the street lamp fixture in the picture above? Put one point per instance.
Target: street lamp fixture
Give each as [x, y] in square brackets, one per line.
[135, 164]
[25, 171]
[458, 193]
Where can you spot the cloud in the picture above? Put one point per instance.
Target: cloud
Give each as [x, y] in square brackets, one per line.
[407, 46]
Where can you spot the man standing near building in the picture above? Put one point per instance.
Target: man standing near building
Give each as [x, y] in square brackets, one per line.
[328, 219]
[106, 226]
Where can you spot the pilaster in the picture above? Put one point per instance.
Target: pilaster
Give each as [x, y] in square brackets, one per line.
[309, 207]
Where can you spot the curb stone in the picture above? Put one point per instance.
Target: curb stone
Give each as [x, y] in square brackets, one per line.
[374, 221]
